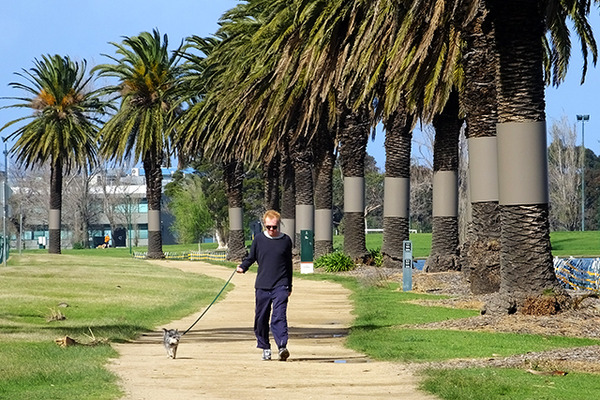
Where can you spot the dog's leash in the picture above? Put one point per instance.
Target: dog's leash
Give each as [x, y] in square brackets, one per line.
[213, 302]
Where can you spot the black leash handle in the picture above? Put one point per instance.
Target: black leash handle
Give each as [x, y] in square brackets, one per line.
[213, 302]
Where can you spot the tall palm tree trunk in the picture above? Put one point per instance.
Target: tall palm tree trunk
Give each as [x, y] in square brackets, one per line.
[479, 101]
[354, 134]
[302, 160]
[234, 182]
[444, 242]
[396, 203]
[526, 260]
[154, 194]
[288, 192]
[271, 182]
[324, 150]
[54, 225]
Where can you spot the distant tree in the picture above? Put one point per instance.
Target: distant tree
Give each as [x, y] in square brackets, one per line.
[148, 77]
[62, 128]
[373, 194]
[421, 194]
[188, 205]
[564, 176]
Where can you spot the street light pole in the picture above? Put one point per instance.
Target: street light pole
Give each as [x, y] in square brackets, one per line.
[583, 118]
[129, 221]
[4, 204]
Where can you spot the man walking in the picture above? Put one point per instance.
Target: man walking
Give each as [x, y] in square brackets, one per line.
[272, 250]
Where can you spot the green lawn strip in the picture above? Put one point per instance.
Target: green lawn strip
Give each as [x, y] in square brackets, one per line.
[514, 384]
[380, 331]
[111, 299]
[42, 370]
[577, 244]
[417, 345]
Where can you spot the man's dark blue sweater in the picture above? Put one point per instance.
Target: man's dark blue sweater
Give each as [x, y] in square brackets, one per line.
[274, 258]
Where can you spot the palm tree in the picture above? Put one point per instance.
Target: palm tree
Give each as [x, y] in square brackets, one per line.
[444, 244]
[398, 136]
[433, 29]
[233, 172]
[271, 184]
[353, 137]
[324, 153]
[148, 76]
[63, 126]
[481, 250]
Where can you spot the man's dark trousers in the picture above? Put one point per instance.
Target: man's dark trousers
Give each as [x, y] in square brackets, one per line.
[277, 299]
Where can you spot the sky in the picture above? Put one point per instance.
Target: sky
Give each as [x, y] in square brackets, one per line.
[82, 29]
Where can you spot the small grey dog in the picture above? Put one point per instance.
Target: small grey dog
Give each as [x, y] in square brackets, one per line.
[171, 341]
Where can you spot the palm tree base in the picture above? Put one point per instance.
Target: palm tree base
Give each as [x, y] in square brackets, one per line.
[444, 246]
[481, 261]
[236, 246]
[354, 236]
[526, 258]
[395, 232]
[323, 247]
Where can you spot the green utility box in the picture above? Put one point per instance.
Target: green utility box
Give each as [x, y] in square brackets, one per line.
[306, 251]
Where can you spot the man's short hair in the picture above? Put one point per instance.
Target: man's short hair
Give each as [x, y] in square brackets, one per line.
[271, 214]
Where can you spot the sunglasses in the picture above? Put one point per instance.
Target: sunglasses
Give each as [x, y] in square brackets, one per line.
[271, 227]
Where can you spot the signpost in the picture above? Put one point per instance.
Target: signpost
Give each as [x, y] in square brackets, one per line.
[407, 263]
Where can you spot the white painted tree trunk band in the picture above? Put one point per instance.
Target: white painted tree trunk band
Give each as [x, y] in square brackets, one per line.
[324, 225]
[354, 194]
[236, 219]
[522, 163]
[305, 218]
[445, 194]
[483, 169]
[54, 219]
[396, 197]
[288, 226]
[153, 220]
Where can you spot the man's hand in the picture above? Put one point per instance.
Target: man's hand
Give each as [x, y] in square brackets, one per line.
[239, 270]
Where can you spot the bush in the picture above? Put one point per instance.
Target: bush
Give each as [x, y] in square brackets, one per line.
[78, 246]
[377, 257]
[335, 262]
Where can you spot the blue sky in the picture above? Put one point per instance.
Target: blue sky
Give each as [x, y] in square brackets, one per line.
[83, 28]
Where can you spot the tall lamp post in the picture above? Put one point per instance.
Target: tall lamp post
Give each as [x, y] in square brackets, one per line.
[4, 204]
[129, 221]
[583, 118]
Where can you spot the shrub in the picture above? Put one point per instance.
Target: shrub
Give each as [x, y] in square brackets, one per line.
[377, 257]
[335, 262]
[78, 246]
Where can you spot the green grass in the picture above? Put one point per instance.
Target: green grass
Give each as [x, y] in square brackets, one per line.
[563, 244]
[514, 384]
[382, 331]
[118, 297]
[577, 244]
[113, 298]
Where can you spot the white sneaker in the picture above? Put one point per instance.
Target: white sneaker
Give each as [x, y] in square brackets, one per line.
[266, 354]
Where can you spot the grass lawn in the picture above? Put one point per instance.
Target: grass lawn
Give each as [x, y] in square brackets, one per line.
[564, 244]
[112, 298]
[116, 298]
[381, 330]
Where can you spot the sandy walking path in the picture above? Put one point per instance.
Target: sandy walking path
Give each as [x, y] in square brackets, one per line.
[218, 359]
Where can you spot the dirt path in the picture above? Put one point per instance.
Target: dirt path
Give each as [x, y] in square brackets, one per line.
[218, 359]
